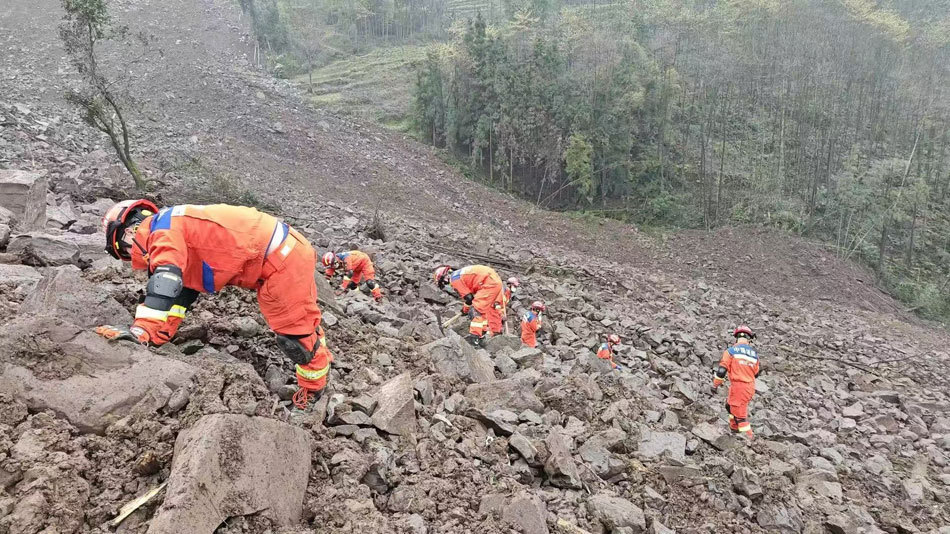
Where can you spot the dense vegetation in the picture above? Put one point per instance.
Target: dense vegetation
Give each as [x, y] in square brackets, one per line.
[827, 118]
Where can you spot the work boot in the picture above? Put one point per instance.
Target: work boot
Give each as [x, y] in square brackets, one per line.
[476, 341]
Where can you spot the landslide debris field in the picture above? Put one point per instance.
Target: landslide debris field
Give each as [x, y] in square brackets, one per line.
[419, 432]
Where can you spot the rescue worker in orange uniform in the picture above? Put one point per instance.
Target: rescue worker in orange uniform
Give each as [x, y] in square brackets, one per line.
[740, 363]
[357, 267]
[531, 323]
[481, 291]
[606, 351]
[188, 249]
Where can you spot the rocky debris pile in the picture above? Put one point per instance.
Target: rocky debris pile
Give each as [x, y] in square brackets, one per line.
[419, 431]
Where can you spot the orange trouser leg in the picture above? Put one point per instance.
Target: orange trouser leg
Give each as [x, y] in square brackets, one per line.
[484, 304]
[288, 301]
[740, 394]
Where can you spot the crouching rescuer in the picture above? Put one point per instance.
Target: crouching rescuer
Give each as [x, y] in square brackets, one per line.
[481, 291]
[740, 363]
[357, 267]
[189, 249]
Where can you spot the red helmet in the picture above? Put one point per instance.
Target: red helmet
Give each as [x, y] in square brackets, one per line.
[328, 259]
[743, 331]
[441, 273]
[118, 218]
[514, 282]
[613, 339]
[538, 306]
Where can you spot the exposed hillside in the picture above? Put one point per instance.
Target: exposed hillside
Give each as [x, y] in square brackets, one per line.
[493, 441]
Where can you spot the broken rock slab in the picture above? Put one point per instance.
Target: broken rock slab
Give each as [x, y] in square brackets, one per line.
[24, 194]
[395, 409]
[64, 293]
[560, 467]
[510, 394]
[715, 435]
[454, 357]
[230, 465]
[496, 344]
[654, 444]
[19, 275]
[94, 382]
[41, 250]
[617, 514]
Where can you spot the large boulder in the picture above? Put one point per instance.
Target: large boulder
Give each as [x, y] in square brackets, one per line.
[617, 514]
[560, 466]
[778, 518]
[512, 394]
[654, 444]
[496, 344]
[524, 511]
[453, 357]
[231, 465]
[36, 248]
[91, 382]
[24, 194]
[64, 293]
[19, 275]
[395, 410]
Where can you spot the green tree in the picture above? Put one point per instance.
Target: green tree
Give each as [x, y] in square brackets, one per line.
[100, 98]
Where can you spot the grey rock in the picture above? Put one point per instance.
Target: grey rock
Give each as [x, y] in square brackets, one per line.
[454, 357]
[64, 293]
[527, 513]
[395, 413]
[511, 394]
[524, 447]
[433, 295]
[226, 465]
[560, 467]
[654, 444]
[776, 517]
[106, 380]
[43, 250]
[746, 482]
[178, 400]
[527, 357]
[715, 435]
[19, 275]
[496, 344]
[855, 411]
[616, 513]
[492, 420]
[23, 193]
[245, 326]
[505, 365]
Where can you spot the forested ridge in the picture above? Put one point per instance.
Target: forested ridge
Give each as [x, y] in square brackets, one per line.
[824, 118]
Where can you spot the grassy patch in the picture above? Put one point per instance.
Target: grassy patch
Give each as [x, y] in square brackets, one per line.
[377, 85]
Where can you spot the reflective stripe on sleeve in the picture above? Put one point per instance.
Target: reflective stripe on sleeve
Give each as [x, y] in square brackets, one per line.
[177, 311]
[144, 312]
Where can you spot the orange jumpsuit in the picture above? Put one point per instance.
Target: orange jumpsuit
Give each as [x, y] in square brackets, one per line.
[606, 353]
[358, 268]
[485, 285]
[221, 245]
[530, 324]
[742, 365]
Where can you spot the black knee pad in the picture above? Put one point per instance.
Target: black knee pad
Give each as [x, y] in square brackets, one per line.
[371, 284]
[294, 349]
